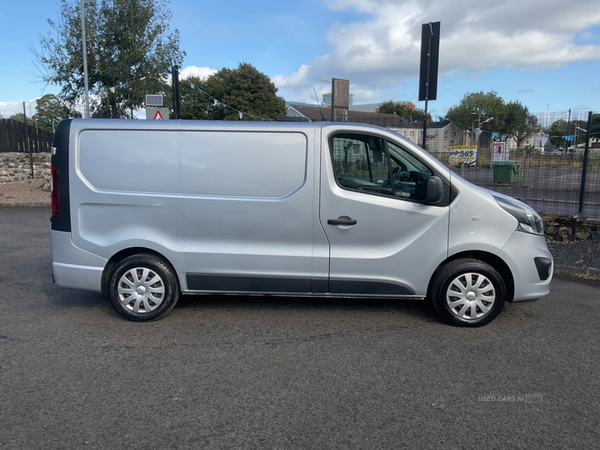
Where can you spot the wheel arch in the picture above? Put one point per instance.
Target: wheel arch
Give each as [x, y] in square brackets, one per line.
[126, 253]
[489, 258]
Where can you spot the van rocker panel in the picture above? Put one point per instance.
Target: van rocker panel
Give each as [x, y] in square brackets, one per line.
[293, 285]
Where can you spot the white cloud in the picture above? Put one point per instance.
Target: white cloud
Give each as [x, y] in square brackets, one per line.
[383, 50]
[7, 109]
[193, 71]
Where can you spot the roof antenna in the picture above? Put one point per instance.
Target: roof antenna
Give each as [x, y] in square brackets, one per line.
[319, 103]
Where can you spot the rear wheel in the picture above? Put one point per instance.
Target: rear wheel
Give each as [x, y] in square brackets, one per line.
[468, 292]
[143, 288]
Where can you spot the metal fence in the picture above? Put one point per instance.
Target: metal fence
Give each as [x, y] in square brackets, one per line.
[549, 183]
[16, 137]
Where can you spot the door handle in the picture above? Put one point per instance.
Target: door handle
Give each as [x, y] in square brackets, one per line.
[342, 221]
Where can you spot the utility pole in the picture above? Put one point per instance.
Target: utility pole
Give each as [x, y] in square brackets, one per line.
[85, 68]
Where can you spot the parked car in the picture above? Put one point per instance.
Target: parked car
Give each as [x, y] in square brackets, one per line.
[148, 211]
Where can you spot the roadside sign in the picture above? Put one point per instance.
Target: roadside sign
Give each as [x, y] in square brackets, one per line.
[499, 151]
[154, 113]
[463, 154]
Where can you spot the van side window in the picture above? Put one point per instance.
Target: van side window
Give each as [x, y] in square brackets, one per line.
[371, 165]
[360, 163]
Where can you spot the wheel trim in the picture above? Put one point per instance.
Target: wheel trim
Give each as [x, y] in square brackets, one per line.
[141, 290]
[470, 296]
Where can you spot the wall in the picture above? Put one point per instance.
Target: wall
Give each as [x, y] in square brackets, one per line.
[558, 227]
[17, 166]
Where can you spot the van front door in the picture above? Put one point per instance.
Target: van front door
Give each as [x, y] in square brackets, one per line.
[384, 241]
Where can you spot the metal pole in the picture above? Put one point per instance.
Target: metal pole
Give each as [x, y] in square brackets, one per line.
[568, 127]
[585, 160]
[427, 86]
[26, 128]
[175, 88]
[85, 68]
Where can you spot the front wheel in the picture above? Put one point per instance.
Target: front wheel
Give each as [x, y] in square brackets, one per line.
[143, 288]
[468, 292]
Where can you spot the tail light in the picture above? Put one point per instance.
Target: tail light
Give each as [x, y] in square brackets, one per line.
[55, 191]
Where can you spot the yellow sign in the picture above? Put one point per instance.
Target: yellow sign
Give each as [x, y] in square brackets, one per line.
[463, 154]
[463, 147]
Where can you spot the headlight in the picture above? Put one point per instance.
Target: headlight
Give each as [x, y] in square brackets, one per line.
[529, 220]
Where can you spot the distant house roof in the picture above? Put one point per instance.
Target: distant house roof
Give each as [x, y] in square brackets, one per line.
[367, 107]
[373, 107]
[437, 125]
[316, 114]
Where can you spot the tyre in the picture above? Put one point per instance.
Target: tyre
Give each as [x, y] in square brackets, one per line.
[143, 288]
[468, 292]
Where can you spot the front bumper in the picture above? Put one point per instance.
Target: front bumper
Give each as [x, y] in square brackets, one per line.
[531, 264]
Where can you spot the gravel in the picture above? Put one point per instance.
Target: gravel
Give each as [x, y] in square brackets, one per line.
[579, 254]
[584, 254]
[24, 193]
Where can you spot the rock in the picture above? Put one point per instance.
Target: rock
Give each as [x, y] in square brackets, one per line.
[583, 235]
[551, 230]
[595, 236]
[564, 231]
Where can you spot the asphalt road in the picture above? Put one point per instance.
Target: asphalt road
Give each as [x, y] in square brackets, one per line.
[285, 373]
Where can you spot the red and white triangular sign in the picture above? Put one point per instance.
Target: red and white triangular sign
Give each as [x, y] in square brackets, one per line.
[158, 116]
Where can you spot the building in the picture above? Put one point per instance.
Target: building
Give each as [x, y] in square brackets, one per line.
[440, 135]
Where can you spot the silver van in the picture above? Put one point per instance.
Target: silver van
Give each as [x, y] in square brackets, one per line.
[151, 210]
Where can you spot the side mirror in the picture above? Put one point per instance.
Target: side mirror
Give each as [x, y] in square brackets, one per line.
[435, 191]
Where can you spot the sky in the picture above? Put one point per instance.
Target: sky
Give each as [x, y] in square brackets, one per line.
[543, 53]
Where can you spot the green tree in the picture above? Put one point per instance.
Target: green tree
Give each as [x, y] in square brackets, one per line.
[519, 123]
[561, 128]
[475, 108]
[558, 130]
[130, 52]
[50, 110]
[403, 111]
[243, 89]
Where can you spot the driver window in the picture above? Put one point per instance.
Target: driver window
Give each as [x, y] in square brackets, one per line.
[360, 163]
[409, 174]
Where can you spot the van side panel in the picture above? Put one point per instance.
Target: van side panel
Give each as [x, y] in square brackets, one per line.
[248, 165]
[247, 210]
[124, 190]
